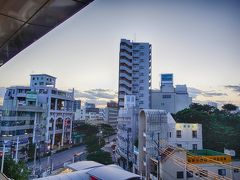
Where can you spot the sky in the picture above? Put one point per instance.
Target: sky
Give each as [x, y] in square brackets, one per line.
[198, 41]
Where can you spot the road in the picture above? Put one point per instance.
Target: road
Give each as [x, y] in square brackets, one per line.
[58, 159]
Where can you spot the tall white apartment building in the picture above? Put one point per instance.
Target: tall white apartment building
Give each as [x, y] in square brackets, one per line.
[135, 61]
[170, 98]
[39, 113]
[127, 132]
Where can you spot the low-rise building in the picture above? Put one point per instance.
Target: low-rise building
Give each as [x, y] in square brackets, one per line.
[127, 132]
[39, 113]
[77, 105]
[158, 130]
[170, 98]
[111, 114]
[197, 164]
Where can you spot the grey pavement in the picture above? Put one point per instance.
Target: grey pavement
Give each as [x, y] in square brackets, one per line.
[58, 159]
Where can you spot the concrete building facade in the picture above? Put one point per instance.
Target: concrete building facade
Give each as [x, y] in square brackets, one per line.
[39, 113]
[170, 98]
[159, 126]
[111, 114]
[135, 63]
[127, 132]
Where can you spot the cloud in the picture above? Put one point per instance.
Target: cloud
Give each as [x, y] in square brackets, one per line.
[194, 92]
[235, 88]
[211, 94]
[96, 94]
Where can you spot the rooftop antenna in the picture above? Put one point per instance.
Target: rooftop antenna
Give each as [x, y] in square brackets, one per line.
[135, 37]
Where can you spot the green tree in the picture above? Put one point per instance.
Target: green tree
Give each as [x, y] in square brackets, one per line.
[100, 157]
[106, 129]
[220, 129]
[18, 171]
[229, 107]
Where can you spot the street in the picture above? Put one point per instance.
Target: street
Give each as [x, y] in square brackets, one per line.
[58, 159]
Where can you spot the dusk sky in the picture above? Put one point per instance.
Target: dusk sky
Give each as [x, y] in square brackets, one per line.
[196, 40]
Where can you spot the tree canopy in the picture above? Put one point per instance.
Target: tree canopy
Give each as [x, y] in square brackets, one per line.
[229, 107]
[220, 128]
[18, 171]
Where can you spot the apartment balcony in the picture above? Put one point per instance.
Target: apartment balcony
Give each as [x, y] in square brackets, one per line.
[126, 61]
[125, 68]
[14, 128]
[125, 90]
[123, 75]
[30, 108]
[123, 82]
[124, 54]
[123, 47]
[17, 118]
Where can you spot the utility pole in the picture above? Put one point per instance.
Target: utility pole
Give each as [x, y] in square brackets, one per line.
[16, 153]
[3, 156]
[158, 166]
[127, 149]
[35, 154]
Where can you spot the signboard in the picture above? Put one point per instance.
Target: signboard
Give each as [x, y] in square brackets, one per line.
[31, 96]
[229, 152]
[167, 77]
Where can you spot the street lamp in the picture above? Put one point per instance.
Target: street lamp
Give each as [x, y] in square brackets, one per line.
[3, 154]
[99, 136]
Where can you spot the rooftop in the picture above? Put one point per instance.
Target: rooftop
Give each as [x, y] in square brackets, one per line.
[206, 152]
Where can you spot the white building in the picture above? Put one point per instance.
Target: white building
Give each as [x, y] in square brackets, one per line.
[135, 61]
[170, 98]
[127, 132]
[201, 164]
[89, 113]
[39, 113]
[111, 114]
[159, 126]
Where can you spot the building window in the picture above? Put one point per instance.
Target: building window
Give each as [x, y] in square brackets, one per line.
[179, 145]
[194, 134]
[179, 133]
[236, 170]
[194, 146]
[180, 175]
[189, 174]
[170, 134]
[222, 172]
[166, 96]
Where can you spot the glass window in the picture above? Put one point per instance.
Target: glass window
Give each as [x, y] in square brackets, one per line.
[178, 133]
[222, 172]
[189, 174]
[194, 134]
[179, 145]
[180, 175]
[194, 146]
[236, 170]
[166, 96]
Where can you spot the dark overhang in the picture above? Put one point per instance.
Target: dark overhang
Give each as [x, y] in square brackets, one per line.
[24, 21]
